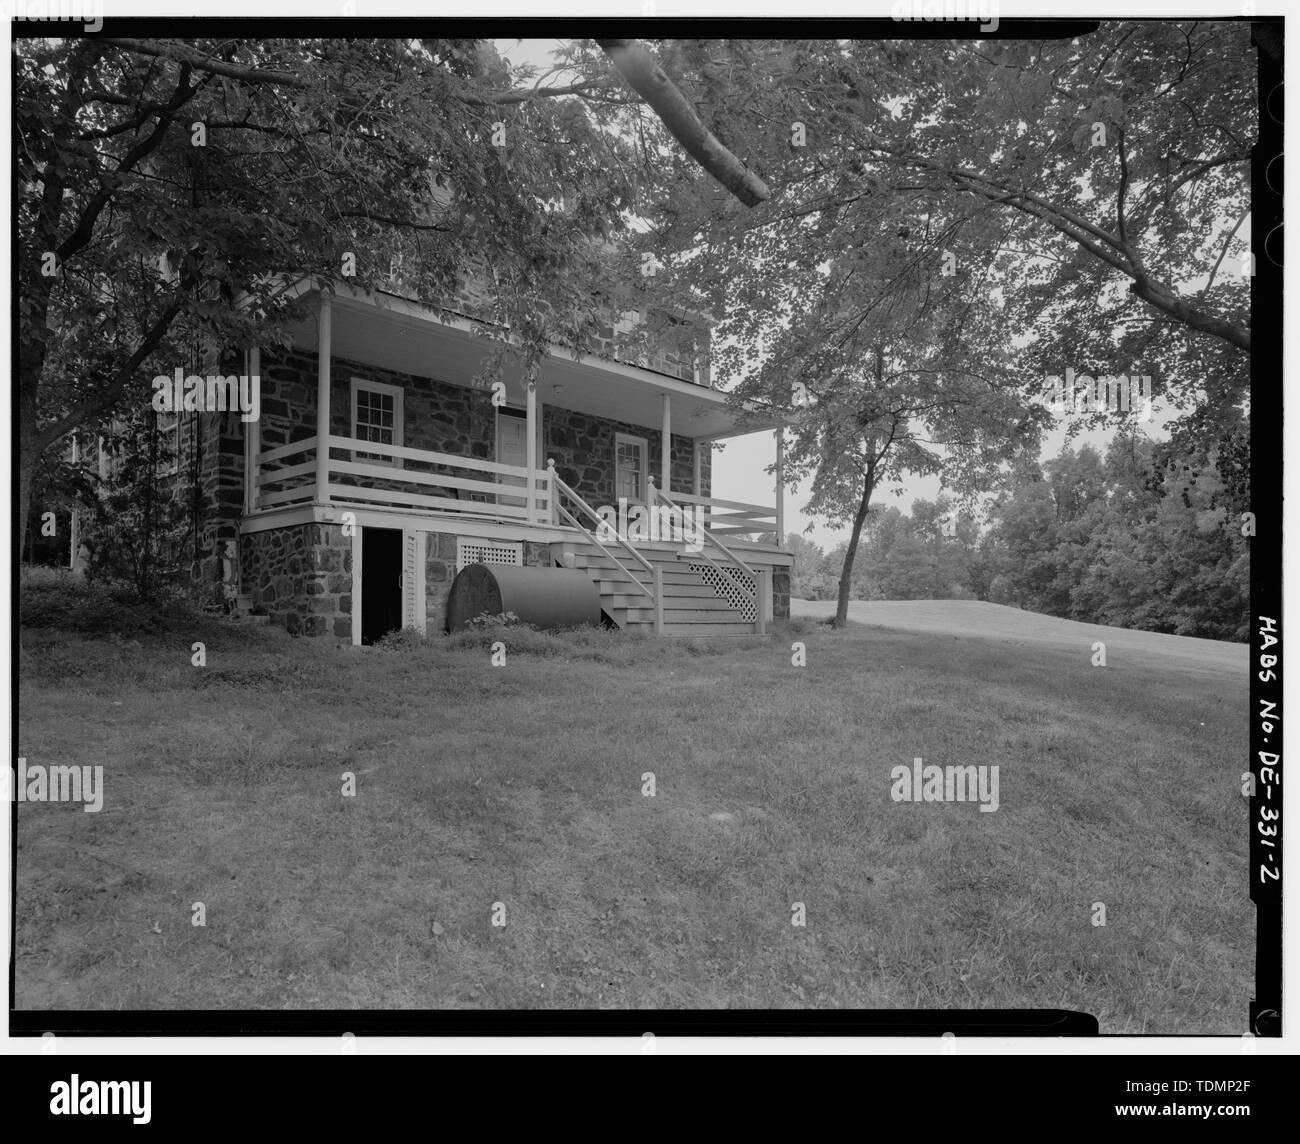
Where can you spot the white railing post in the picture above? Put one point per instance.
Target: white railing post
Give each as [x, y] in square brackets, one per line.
[530, 451]
[252, 435]
[780, 488]
[764, 600]
[659, 600]
[552, 494]
[323, 405]
[666, 447]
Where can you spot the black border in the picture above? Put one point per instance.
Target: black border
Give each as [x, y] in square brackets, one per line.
[1266, 575]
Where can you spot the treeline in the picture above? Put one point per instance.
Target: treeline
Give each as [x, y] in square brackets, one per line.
[1148, 536]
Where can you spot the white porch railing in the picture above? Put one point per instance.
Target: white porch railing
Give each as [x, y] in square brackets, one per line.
[356, 472]
[424, 480]
[725, 517]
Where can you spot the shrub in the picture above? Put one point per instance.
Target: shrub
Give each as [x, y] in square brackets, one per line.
[61, 599]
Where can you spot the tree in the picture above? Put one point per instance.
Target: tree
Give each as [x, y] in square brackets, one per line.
[167, 189]
[1145, 537]
[1086, 193]
[1119, 158]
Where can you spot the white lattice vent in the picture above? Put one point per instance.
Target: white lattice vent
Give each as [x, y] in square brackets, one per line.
[730, 588]
[485, 552]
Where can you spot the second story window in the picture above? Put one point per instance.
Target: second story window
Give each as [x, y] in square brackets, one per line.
[376, 416]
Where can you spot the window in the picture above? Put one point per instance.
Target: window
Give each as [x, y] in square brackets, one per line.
[376, 416]
[630, 467]
[169, 443]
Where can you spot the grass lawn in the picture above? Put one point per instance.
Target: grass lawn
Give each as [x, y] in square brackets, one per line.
[522, 785]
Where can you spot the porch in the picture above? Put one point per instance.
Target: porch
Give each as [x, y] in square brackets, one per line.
[371, 476]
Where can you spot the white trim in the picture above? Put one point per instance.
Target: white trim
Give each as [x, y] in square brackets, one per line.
[644, 442]
[414, 615]
[356, 584]
[457, 524]
[515, 549]
[324, 385]
[399, 437]
[531, 450]
[514, 413]
[666, 446]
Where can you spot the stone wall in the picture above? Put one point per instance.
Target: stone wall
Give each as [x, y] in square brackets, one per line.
[208, 482]
[301, 576]
[583, 448]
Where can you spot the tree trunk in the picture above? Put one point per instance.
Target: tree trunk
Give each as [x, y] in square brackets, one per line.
[846, 573]
[868, 487]
[29, 451]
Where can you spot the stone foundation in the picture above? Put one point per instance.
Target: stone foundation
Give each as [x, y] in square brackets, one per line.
[301, 577]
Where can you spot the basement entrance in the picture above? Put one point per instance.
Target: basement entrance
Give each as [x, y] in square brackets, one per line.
[381, 582]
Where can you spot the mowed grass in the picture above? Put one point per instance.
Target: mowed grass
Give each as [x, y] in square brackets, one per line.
[522, 785]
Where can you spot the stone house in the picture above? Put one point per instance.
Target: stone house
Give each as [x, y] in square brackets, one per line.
[380, 465]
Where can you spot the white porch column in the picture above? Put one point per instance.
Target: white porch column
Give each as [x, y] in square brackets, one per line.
[530, 429]
[323, 405]
[780, 487]
[665, 468]
[695, 465]
[252, 434]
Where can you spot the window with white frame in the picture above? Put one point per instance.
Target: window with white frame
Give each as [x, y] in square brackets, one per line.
[630, 466]
[376, 416]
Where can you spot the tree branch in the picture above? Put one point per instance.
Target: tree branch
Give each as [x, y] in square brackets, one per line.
[112, 389]
[183, 53]
[644, 76]
[1226, 243]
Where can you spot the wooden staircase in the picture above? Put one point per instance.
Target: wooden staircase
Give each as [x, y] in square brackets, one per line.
[691, 607]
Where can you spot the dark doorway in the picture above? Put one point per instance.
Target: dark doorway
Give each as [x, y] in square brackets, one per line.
[381, 582]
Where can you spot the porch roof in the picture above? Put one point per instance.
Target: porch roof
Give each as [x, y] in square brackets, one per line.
[399, 334]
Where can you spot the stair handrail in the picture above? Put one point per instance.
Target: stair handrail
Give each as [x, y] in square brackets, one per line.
[658, 494]
[617, 562]
[559, 485]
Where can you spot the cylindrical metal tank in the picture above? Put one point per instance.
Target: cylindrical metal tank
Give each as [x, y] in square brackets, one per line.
[544, 597]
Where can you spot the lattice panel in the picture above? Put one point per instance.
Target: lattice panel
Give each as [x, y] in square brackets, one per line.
[738, 599]
[481, 552]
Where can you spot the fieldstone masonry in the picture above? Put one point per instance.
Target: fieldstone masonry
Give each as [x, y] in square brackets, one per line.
[301, 577]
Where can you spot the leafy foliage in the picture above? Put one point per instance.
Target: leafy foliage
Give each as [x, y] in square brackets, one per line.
[951, 222]
[168, 190]
[1144, 537]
